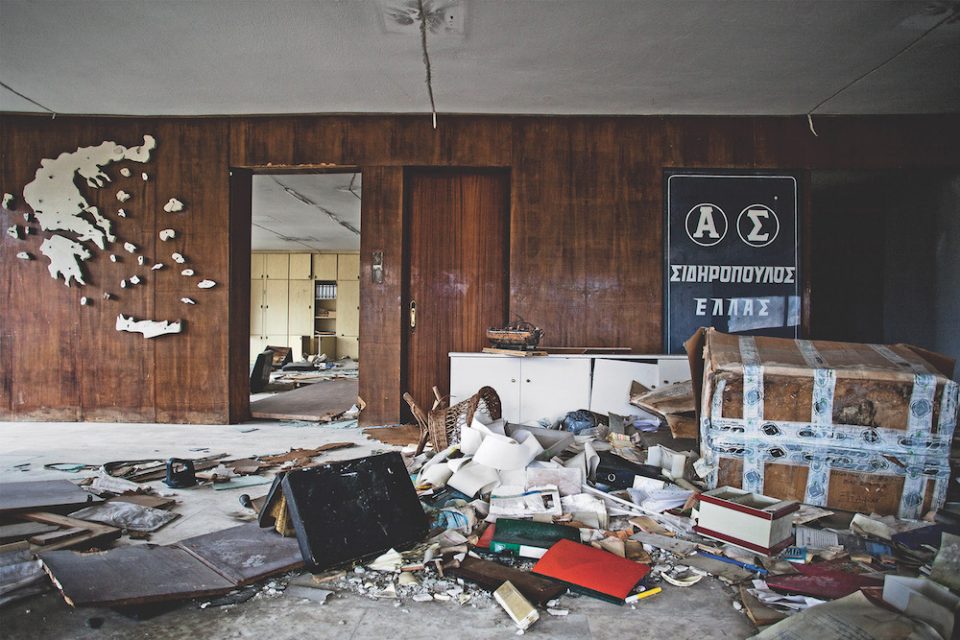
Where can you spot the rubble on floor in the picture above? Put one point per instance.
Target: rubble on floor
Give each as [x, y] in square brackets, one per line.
[525, 520]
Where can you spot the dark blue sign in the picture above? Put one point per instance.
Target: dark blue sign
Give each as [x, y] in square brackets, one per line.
[732, 254]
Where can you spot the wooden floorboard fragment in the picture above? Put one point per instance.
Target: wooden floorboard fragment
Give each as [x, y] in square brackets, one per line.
[43, 495]
[246, 553]
[314, 402]
[131, 576]
[89, 534]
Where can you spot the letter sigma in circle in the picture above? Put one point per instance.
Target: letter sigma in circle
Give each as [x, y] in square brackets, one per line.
[758, 225]
[706, 224]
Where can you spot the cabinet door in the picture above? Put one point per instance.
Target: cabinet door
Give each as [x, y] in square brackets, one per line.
[550, 387]
[673, 370]
[256, 309]
[468, 374]
[611, 384]
[300, 266]
[348, 308]
[348, 266]
[276, 266]
[325, 266]
[348, 347]
[257, 345]
[275, 307]
[300, 321]
[256, 266]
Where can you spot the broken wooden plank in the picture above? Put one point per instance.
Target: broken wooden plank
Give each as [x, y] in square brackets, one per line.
[92, 534]
[131, 576]
[514, 352]
[303, 456]
[45, 539]
[490, 575]
[153, 502]
[43, 495]
[245, 553]
[23, 530]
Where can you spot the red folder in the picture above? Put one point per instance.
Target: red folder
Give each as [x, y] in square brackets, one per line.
[591, 571]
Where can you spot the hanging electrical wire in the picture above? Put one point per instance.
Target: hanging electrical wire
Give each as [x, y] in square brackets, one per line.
[952, 16]
[426, 60]
[31, 100]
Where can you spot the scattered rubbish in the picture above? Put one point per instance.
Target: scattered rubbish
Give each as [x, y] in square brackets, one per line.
[21, 575]
[517, 607]
[69, 467]
[41, 495]
[352, 509]
[319, 596]
[240, 483]
[854, 616]
[126, 515]
[180, 473]
[491, 575]
[246, 553]
[131, 576]
[591, 571]
[674, 404]
[683, 576]
[529, 539]
[746, 519]
[518, 502]
[646, 593]
[946, 566]
[827, 580]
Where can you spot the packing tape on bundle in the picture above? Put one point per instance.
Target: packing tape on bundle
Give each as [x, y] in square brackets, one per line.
[752, 413]
[923, 455]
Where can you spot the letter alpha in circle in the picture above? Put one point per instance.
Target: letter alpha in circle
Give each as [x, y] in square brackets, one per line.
[758, 225]
[706, 224]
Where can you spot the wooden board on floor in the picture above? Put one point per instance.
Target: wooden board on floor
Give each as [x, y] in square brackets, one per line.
[85, 534]
[400, 435]
[319, 401]
[131, 575]
[43, 495]
[246, 553]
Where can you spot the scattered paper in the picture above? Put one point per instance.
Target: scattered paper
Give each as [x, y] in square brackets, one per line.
[816, 538]
[922, 599]
[852, 617]
[516, 502]
[946, 566]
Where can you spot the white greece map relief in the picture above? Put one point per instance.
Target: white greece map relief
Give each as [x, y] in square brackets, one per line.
[60, 206]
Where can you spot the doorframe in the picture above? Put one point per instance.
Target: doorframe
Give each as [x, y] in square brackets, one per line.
[408, 171]
[240, 250]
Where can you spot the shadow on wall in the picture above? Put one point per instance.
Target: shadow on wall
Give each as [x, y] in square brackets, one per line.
[886, 258]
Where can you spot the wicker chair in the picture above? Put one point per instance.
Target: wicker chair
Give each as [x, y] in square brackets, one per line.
[444, 424]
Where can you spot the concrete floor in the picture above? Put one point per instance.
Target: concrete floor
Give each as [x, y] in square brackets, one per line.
[704, 611]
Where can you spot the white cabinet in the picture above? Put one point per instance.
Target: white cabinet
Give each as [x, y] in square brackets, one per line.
[537, 387]
[529, 388]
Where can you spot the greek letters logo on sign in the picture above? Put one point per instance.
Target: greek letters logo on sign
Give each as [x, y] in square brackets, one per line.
[758, 225]
[706, 224]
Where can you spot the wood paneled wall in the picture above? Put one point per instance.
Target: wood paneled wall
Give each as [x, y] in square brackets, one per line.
[586, 237]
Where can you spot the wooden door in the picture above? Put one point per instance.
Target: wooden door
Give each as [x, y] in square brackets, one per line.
[457, 269]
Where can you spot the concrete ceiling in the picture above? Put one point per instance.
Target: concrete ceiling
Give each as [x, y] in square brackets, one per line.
[306, 212]
[200, 57]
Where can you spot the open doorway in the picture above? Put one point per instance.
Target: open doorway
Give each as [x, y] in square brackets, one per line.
[304, 294]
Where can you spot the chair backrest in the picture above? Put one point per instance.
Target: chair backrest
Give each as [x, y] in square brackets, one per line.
[444, 424]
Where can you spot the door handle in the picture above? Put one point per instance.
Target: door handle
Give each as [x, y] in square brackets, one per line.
[413, 315]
